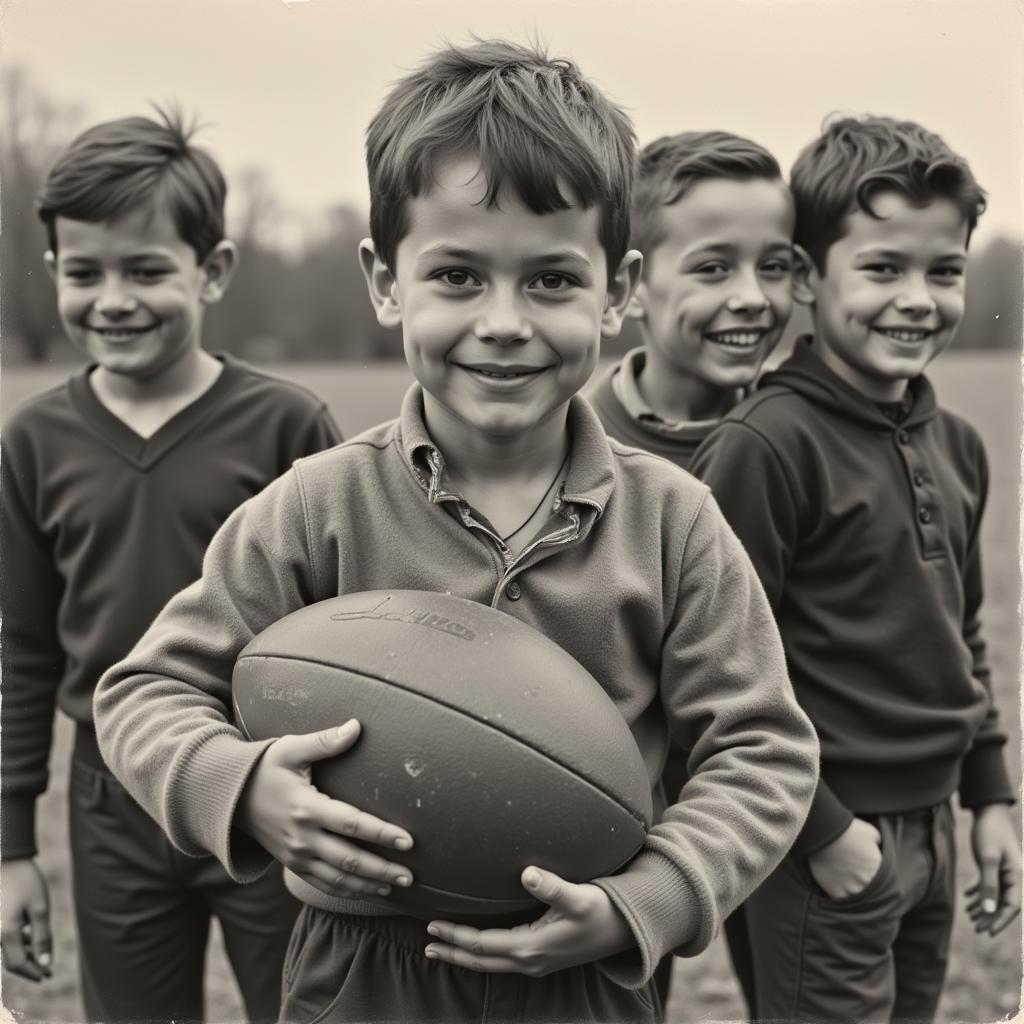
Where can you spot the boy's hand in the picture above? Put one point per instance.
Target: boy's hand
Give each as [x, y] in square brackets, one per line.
[580, 925]
[309, 832]
[994, 900]
[27, 944]
[848, 863]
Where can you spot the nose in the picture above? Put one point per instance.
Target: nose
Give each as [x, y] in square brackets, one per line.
[747, 295]
[501, 319]
[915, 297]
[115, 299]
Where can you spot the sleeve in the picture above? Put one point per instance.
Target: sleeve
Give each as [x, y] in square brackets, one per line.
[317, 433]
[164, 717]
[984, 778]
[753, 760]
[32, 657]
[757, 497]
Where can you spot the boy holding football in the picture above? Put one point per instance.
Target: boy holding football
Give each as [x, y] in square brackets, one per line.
[113, 484]
[503, 256]
[859, 500]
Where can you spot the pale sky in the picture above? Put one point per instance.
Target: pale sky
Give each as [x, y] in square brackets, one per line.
[290, 86]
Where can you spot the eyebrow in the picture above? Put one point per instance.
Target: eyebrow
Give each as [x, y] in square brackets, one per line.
[896, 254]
[458, 253]
[150, 254]
[726, 247]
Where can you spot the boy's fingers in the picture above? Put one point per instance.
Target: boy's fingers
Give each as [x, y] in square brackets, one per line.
[301, 751]
[988, 884]
[352, 823]
[15, 942]
[352, 860]
[42, 945]
[551, 889]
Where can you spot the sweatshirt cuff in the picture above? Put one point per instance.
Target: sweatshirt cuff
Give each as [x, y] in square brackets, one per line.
[664, 913]
[828, 819]
[17, 827]
[214, 776]
[984, 778]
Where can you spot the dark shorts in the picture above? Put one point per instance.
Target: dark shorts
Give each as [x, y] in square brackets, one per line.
[367, 970]
[143, 911]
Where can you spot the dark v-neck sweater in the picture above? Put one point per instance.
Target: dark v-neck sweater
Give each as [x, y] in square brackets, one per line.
[101, 527]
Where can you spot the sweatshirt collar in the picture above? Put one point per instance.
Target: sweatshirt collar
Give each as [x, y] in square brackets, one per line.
[591, 475]
[805, 373]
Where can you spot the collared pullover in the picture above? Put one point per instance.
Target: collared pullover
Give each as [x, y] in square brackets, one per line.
[638, 577]
[101, 527]
[865, 534]
[616, 399]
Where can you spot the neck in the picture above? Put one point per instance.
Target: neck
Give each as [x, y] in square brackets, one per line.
[195, 370]
[878, 389]
[681, 398]
[474, 455]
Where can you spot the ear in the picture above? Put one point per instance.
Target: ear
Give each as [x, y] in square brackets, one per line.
[218, 270]
[620, 292]
[805, 277]
[380, 283]
[637, 308]
[50, 262]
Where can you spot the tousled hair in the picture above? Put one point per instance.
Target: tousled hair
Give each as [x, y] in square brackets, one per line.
[119, 166]
[855, 158]
[535, 124]
[671, 166]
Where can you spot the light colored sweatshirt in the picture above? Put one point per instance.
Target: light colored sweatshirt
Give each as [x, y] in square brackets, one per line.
[637, 576]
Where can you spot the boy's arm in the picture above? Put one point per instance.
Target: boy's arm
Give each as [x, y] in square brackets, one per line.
[763, 506]
[984, 778]
[164, 717]
[753, 764]
[33, 661]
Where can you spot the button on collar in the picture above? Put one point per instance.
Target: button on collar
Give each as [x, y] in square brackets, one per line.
[514, 591]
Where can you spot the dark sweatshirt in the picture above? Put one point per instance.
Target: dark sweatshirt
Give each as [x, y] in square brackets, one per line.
[865, 534]
[101, 527]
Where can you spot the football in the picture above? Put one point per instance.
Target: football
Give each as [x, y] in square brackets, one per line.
[484, 739]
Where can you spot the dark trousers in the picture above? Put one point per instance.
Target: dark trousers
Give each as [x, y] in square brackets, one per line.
[342, 969]
[143, 911]
[879, 955]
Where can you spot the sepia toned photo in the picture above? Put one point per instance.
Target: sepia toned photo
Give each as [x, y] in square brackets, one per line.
[510, 512]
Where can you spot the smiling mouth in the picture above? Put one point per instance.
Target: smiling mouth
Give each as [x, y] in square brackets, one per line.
[121, 333]
[740, 338]
[905, 333]
[504, 372]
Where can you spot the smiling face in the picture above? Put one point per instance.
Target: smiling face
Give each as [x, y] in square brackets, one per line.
[716, 292]
[502, 310]
[130, 291]
[892, 293]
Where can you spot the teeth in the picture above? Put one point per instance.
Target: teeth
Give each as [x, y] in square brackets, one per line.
[502, 376]
[903, 334]
[742, 338]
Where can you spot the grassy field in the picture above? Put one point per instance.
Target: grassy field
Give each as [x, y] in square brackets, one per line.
[985, 976]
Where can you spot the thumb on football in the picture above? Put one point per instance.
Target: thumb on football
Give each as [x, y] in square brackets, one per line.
[296, 751]
[550, 889]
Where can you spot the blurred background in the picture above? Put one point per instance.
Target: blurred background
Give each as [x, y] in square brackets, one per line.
[285, 91]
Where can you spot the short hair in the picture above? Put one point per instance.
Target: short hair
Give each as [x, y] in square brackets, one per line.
[855, 158]
[672, 165]
[118, 166]
[534, 123]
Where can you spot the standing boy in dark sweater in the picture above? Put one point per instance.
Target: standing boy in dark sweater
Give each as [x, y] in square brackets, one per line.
[113, 485]
[859, 501]
[504, 260]
[714, 221]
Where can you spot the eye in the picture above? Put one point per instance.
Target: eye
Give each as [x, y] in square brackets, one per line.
[553, 281]
[149, 274]
[80, 275]
[948, 274]
[882, 270]
[711, 269]
[456, 277]
[777, 267]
